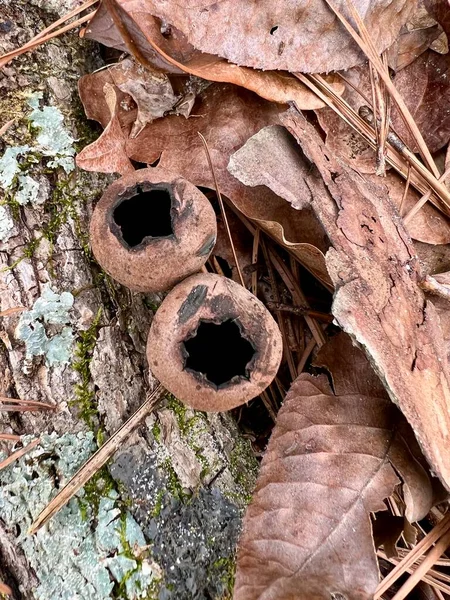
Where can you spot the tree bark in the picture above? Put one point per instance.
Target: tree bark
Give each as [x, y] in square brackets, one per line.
[184, 476]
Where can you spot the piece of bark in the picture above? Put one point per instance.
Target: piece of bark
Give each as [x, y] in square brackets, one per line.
[373, 265]
[178, 454]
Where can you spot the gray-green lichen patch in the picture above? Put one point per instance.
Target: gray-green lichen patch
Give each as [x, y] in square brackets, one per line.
[6, 224]
[53, 141]
[78, 554]
[50, 309]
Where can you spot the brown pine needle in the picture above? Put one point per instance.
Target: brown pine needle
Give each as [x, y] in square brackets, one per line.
[12, 311]
[255, 249]
[15, 404]
[441, 546]
[98, 459]
[10, 437]
[439, 530]
[415, 209]
[222, 208]
[38, 41]
[364, 42]
[18, 454]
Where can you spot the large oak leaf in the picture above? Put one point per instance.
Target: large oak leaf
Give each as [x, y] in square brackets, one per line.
[332, 459]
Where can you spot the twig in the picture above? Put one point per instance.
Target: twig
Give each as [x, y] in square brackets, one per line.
[222, 208]
[97, 460]
[11, 437]
[18, 454]
[12, 311]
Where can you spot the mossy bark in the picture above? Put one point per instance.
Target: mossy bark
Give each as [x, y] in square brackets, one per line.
[185, 476]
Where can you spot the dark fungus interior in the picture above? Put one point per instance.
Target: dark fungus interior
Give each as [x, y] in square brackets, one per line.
[218, 352]
[145, 214]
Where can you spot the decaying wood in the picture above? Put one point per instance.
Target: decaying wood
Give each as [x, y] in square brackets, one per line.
[378, 300]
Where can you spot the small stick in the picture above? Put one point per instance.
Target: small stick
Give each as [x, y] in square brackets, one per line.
[430, 284]
[222, 208]
[18, 454]
[97, 460]
[405, 191]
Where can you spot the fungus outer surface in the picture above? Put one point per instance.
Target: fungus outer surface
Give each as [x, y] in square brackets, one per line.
[218, 352]
[145, 214]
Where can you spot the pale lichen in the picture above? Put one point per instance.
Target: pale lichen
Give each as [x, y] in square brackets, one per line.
[80, 553]
[6, 224]
[49, 309]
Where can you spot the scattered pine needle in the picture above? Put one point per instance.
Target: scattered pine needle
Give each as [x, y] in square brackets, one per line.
[48, 33]
[18, 454]
[12, 311]
[10, 437]
[98, 459]
[15, 404]
[435, 534]
[222, 208]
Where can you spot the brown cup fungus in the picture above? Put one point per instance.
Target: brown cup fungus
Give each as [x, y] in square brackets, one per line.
[213, 344]
[152, 229]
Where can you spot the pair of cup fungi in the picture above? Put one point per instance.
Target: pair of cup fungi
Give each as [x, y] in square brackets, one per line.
[212, 343]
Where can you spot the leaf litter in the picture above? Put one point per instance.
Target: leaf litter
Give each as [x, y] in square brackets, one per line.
[353, 483]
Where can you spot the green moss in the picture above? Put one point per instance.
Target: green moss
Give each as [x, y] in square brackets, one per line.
[224, 570]
[156, 431]
[179, 410]
[99, 486]
[244, 470]
[158, 504]
[173, 483]
[84, 393]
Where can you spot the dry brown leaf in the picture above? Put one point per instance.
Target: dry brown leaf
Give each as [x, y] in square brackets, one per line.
[227, 116]
[108, 153]
[140, 29]
[374, 268]
[332, 459]
[439, 10]
[265, 35]
[425, 87]
[416, 36]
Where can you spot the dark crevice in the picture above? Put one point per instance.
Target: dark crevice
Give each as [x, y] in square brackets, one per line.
[218, 352]
[147, 214]
[272, 31]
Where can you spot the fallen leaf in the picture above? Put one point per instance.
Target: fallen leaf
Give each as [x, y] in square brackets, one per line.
[425, 87]
[264, 35]
[138, 24]
[439, 10]
[374, 268]
[331, 460]
[227, 116]
[108, 153]
[433, 259]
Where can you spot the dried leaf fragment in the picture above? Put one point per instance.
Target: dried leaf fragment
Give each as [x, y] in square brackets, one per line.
[331, 460]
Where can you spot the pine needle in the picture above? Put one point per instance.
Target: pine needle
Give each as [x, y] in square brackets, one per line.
[437, 532]
[18, 454]
[222, 208]
[98, 459]
[17, 405]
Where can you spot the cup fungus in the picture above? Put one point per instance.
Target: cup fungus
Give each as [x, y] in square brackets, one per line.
[152, 229]
[213, 344]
